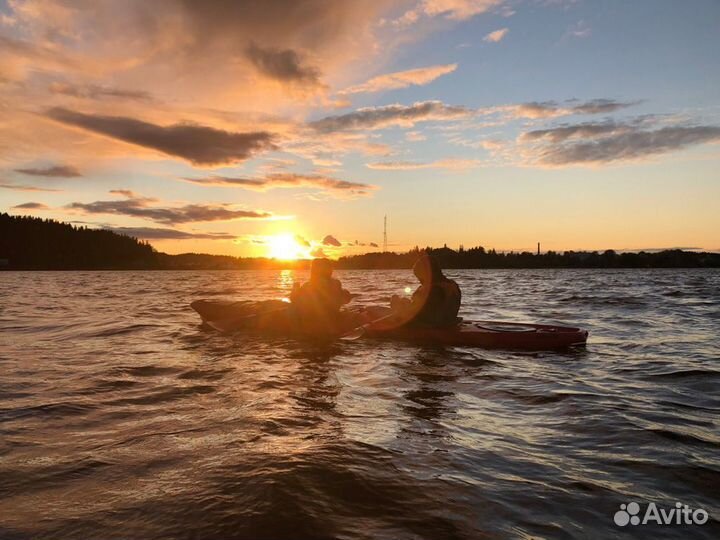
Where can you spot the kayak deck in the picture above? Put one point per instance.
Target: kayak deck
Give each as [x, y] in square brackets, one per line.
[273, 316]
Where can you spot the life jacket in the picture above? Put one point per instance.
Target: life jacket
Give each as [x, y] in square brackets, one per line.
[316, 305]
[440, 305]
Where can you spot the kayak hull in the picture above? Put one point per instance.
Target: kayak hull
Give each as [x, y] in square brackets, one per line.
[275, 317]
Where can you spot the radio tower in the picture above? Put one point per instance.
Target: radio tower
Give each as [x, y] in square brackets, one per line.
[385, 235]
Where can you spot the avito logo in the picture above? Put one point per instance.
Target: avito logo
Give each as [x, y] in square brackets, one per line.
[681, 514]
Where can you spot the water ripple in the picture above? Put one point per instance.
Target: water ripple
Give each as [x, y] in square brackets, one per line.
[120, 417]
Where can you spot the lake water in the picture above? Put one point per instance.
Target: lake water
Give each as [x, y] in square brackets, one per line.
[121, 418]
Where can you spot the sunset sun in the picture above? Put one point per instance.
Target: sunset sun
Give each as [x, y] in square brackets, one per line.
[286, 247]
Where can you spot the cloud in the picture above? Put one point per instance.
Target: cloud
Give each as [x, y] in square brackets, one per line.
[125, 193]
[601, 106]
[200, 145]
[497, 35]
[32, 206]
[415, 136]
[401, 79]
[302, 241]
[584, 130]
[206, 43]
[458, 10]
[330, 240]
[550, 109]
[605, 143]
[94, 91]
[391, 115]
[284, 65]
[579, 30]
[19, 187]
[452, 164]
[152, 233]
[140, 207]
[53, 171]
[21, 57]
[318, 253]
[288, 180]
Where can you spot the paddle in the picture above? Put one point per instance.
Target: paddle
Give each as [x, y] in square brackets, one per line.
[226, 325]
[359, 332]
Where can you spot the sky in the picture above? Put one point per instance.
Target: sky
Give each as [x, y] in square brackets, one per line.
[290, 128]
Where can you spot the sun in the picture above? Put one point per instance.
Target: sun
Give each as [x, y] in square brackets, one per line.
[286, 247]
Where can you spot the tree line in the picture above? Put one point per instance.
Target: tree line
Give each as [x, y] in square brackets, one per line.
[29, 243]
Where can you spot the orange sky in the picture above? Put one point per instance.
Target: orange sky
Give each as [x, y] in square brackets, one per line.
[294, 126]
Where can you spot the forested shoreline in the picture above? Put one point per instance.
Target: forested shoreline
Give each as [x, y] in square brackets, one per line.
[29, 243]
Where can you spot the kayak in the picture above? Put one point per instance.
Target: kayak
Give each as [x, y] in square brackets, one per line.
[275, 317]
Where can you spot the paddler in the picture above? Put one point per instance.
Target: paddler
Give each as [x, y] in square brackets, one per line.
[435, 303]
[316, 303]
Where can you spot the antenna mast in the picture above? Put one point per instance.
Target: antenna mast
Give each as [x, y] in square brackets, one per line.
[385, 235]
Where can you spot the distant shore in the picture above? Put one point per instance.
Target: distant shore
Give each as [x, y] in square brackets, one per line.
[28, 243]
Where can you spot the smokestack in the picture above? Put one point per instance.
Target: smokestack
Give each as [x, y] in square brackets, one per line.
[385, 235]
[538, 248]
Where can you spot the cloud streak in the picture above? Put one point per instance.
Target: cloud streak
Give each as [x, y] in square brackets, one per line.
[496, 36]
[200, 145]
[153, 233]
[606, 143]
[20, 187]
[141, 207]
[391, 115]
[53, 171]
[450, 163]
[551, 109]
[97, 92]
[32, 206]
[457, 10]
[401, 79]
[585, 130]
[287, 180]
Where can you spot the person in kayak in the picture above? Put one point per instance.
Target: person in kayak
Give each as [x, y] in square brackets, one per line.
[317, 302]
[436, 302]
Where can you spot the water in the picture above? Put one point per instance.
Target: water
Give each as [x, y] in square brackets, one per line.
[121, 418]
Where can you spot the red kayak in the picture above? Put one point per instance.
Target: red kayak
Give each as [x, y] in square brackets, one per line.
[273, 316]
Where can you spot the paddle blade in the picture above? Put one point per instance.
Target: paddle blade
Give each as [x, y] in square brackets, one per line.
[354, 334]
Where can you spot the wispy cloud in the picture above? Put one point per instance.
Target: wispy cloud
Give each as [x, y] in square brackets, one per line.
[94, 91]
[20, 187]
[142, 207]
[450, 163]
[284, 65]
[458, 10]
[391, 115]
[550, 109]
[341, 188]
[497, 35]
[153, 233]
[585, 130]
[401, 79]
[415, 136]
[200, 145]
[52, 171]
[32, 206]
[592, 144]
[579, 30]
